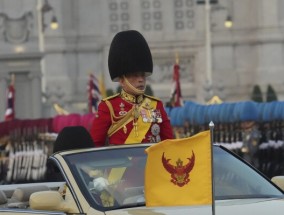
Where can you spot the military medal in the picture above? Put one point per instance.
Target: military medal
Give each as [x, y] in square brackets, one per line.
[155, 130]
[122, 112]
[143, 113]
[156, 116]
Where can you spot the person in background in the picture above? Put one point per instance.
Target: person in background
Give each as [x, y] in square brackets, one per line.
[70, 137]
[130, 116]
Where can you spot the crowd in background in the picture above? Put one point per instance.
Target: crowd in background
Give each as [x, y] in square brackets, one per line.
[254, 131]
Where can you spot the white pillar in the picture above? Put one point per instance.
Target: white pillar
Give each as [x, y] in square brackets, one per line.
[3, 96]
[41, 42]
[36, 96]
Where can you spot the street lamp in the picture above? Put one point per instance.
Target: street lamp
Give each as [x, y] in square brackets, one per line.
[228, 23]
[54, 23]
[207, 7]
[208, 44]
[42, 9]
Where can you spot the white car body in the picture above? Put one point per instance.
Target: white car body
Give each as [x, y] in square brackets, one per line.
[239, 188]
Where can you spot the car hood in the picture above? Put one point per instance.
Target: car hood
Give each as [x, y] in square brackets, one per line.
[225, 207]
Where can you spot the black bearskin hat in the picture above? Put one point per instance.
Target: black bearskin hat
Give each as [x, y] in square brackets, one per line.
[73, 137]
[129, 53]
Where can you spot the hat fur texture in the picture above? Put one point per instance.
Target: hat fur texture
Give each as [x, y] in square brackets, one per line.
[73, 137]
[129, 53]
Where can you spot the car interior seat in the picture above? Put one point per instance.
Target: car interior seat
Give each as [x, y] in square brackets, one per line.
[3, 198]
[21, 196]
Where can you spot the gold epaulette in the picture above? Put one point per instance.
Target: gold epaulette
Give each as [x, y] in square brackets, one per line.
[110, 97]
[152, 97]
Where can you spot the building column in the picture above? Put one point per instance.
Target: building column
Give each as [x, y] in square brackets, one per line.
[36, 94]
[3, 90]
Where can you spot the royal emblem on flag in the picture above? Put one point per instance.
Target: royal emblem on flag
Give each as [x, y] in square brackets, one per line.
[180, 172]
[186, 172]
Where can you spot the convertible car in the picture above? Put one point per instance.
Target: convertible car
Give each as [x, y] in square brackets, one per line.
[86, 185]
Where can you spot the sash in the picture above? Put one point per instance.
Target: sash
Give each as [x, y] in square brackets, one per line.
[142, 126]
[117, 173]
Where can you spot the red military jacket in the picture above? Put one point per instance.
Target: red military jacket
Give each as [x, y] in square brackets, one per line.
[126, 119]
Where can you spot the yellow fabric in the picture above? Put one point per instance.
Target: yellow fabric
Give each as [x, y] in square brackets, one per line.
[116, 174]
[161, 191]
[102, 85]
[142, 126]
[214, 100]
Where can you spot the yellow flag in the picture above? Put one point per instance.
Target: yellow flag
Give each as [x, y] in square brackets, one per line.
[102, 85]
[178, 172]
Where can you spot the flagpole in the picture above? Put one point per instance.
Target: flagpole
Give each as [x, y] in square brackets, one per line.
[211, 127]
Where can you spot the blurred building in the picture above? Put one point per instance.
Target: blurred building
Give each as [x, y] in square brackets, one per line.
[52, 66]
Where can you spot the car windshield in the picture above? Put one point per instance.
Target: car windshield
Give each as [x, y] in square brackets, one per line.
[114, 178]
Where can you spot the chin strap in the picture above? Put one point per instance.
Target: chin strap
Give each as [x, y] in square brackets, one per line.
[135, 90]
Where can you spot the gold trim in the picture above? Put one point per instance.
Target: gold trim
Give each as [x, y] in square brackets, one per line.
[110, 97]
[152, 97]
[130, 98]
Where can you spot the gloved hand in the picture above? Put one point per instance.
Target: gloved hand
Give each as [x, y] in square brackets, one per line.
[100, 184]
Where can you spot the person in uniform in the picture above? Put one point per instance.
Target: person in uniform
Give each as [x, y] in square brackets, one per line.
[130, 116]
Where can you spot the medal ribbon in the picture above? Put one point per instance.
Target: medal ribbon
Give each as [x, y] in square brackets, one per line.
[138, 134]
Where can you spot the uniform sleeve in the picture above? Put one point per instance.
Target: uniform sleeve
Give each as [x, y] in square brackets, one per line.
[166, 128]
[100, 125]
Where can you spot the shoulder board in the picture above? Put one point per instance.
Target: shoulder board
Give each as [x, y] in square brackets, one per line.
[152, 97]
[110, 97]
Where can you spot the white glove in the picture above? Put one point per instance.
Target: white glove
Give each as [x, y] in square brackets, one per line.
[100, 184]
